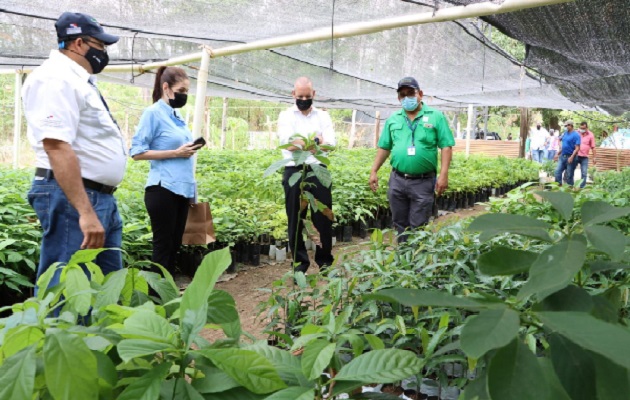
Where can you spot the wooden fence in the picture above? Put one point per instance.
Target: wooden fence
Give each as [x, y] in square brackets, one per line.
[607, 159]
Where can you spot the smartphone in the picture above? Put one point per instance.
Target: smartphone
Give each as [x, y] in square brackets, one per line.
[200, 141]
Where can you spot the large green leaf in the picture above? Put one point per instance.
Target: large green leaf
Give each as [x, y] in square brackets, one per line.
[601, 265]
[248, 368]
[213, 381]
[426, 298]
[554, 269]
[276, 166]
[132, 348]
[491, 225]
[112, 288]
[194, 306]
[146, 324]
[506, 261]
[179, 389]
[44, 280]
[294, 178]
[562, 202]
[293, 393]
[77, 290]
[147, 387]
[67, 356]
[316, 357]
[162, 287]
[574, 367]
[133, 282]
[571, 298]
[239, 393]
[289, 367]
[609, 340]
[597, 212]
[489, 330]
[17, 375]
[557, 391]
[612, 380]
[607, 240]
[322, 174]
[477, 389]
[222, 311]
[514, 373]
[86, 256]
[381, 366]
[19, 338]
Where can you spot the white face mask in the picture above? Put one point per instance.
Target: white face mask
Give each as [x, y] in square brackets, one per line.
[581, 130]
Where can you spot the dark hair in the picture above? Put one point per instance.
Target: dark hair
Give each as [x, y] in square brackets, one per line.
[170, 75]
[584, 123]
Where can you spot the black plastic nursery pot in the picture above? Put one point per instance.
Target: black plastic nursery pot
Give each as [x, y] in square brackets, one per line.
[232, 268]
[339, 233]
[362, 229]
[254, 255]
[347, 233]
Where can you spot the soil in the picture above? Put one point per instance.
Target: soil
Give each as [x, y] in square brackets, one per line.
[245, 285]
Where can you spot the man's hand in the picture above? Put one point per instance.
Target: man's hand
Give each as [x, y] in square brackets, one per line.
[442, 184]
[373, 181]
[556, 157]
[594, 161]
[93, 232]
[571, 160]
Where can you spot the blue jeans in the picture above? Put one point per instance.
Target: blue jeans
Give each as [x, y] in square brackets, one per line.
[62, 236]
[537, 155]
[564, 165]
[551, 154]
[583, 161]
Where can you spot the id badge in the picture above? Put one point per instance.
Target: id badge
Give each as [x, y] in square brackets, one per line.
[411, 151]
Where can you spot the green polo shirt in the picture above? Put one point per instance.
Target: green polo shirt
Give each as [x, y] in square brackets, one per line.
[431, 132]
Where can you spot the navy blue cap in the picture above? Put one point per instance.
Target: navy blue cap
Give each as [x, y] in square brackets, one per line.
[408, 81]
[71, 25]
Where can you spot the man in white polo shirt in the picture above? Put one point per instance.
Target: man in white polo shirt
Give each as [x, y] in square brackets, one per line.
[304, 119]
[80, 152]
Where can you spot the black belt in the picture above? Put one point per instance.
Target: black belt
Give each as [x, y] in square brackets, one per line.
[428, 175]
[89, 184]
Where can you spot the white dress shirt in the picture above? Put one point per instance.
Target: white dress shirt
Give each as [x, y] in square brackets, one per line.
[538, 138]
[61, 102]
[292, 122]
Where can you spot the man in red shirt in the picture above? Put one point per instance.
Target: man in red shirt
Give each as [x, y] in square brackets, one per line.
[587, 144]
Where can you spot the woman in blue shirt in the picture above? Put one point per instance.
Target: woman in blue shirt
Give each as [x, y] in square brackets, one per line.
[163, 138]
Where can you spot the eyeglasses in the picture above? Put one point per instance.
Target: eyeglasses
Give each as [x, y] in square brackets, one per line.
[99, 45]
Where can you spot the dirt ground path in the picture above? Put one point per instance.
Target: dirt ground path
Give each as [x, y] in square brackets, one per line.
[246, 284]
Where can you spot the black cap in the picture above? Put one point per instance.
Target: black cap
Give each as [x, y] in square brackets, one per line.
[71, 25]
[408, 81]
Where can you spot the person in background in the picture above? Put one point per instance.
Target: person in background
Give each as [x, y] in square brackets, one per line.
[305, 119]
[568, 154]
[587, 143]
[80, 154]
[412, 136]
[163, 138]
[537, 145]
[509, 136]
[553, 143]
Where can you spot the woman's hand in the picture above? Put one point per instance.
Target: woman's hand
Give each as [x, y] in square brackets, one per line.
[186, 151]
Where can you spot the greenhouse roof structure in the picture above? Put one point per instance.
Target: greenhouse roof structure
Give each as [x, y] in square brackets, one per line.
[577, 51]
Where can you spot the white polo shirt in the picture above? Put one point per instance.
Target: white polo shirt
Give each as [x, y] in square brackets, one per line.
[293, 122]
[60, 103]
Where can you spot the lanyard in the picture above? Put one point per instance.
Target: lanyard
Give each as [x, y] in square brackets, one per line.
[413, 129]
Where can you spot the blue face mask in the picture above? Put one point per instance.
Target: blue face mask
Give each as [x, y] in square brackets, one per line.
[409, 103]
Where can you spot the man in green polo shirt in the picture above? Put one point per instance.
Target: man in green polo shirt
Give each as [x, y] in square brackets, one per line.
[412, 136]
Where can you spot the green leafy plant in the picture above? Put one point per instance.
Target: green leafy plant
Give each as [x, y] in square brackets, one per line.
[562, 315]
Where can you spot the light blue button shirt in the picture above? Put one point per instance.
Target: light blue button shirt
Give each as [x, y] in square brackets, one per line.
[161, 128]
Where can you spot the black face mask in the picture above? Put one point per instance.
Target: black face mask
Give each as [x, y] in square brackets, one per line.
[179, 101]
[98, 59]
[303, 105]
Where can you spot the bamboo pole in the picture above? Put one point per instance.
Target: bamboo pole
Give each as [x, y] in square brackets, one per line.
[377, 128]
[469, 128]
[200, 97]
[353, 129]
[17, 119]
[224, 122]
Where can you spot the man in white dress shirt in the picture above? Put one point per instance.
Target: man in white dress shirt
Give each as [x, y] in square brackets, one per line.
[80, 152]
[538, 137]
[305, 119]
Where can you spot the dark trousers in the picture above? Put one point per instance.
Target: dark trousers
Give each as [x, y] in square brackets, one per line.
[411, 202]
[168, 212]
[323, 253]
